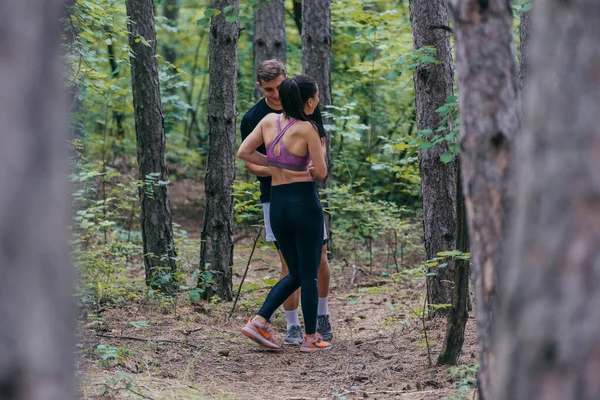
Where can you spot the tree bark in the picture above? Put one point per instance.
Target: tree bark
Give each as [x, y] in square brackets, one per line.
[157, 229]
[433, 84]
[489, 119]
[459, 312]
[551, 297]
[269, 35]
[216, 252]
[316, 63]
[36, 328]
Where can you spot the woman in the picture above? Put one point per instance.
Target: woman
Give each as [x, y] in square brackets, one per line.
[296, 212]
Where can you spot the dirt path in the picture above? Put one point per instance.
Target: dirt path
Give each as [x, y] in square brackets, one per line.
[372, 358]
[378, 353]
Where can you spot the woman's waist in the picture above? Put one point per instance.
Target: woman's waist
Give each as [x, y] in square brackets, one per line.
[295, 192]
[284, 177]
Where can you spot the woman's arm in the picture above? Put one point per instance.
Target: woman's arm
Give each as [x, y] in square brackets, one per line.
[317, 154]
[247, 150]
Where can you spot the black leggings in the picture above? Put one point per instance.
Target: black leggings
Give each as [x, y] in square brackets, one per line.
[297, 223]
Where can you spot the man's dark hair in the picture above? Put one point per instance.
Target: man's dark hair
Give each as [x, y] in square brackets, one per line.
[269, 70]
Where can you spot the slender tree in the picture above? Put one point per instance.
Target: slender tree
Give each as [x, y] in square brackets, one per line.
[269, 34]
[157, 229]
[171, 13]
[548, 342]
[297, 4]
[36, 288]
[433, 84]
[316, 63]
[216, 252]
[459, 311]
[489, 119]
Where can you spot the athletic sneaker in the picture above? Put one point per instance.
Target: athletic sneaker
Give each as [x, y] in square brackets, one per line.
[261, 334]
[293, 336]
[324, 327]
[311, 346]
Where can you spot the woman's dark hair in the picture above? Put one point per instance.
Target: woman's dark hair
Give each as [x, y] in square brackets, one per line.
[294, 93]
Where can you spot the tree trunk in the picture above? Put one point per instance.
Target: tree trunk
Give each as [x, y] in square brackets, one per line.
[269, 34]
[36, 329]
[433, 84]
[459, 312]
[298, 15]
[157, 230]
[316, 63]
[551, 297]
[216, 252]
[524, 34]
[118, 116]
[489, 119]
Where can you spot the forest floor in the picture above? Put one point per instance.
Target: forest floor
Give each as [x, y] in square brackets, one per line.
[180, 350]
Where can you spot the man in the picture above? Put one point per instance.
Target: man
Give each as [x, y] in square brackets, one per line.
[269, 75]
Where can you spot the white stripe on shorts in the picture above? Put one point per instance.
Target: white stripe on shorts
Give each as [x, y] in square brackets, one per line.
[269, 232]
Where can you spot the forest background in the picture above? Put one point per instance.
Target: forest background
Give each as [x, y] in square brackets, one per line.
[151, 117]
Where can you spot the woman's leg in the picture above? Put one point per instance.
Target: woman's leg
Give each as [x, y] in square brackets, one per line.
[309, 245]
[285, 236]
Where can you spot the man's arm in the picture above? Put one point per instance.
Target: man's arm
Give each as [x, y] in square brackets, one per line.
[258, 170]
[246, 128]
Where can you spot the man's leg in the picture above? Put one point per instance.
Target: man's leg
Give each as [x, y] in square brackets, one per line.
[324, 273]
[290, 307]
[323, 323]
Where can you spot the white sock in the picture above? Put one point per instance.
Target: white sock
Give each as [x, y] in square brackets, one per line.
[323, 308]
[291, 318]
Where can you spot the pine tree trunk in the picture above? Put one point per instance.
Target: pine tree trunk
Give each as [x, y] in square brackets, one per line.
[269, 34]
[36, 318]
[157, 230]
[433, 84]
[217, 231]
[459, 312]
[489, 119]
[551, 297]
[316, 63]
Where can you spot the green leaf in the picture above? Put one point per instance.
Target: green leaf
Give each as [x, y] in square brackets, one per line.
[446, 157]
[211, 12]
[228, 9]
[195, 295]
[202, 21]
[231, 18]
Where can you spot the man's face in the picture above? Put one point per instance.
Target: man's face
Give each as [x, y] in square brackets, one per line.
[271, 91]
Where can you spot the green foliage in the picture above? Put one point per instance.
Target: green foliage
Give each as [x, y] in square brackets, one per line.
[465, 380]
[246, 202]
[111, 356]
[447, 131]
[204, 281]
[359, 219]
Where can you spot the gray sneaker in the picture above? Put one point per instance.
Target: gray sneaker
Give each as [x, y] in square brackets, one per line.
[324, 327]
[294, 336]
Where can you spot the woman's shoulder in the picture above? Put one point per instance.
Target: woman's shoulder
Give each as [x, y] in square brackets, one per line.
[269, 118]
[306, 127]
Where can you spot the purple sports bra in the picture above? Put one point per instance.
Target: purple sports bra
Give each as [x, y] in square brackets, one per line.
[285, 159]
